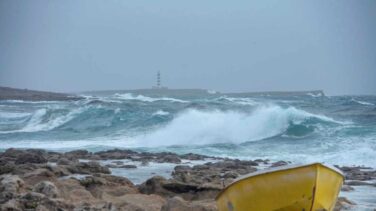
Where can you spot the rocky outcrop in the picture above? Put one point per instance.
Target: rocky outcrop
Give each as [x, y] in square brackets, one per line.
[42, 180]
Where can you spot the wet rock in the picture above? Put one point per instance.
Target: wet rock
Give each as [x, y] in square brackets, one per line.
[78, 154]
[128, 166]
[117, 162]
[347, 188]
[358, 173]
[121, 166]
[279, 163]
[167, 158]
[88, 168]
[343, 204]
[359, 183]
[47, 188]
[192, 156]
[116, 154]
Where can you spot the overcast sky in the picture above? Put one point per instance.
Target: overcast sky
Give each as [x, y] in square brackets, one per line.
[76, 45]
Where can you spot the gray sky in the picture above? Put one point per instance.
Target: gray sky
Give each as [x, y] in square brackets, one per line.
[81, 45]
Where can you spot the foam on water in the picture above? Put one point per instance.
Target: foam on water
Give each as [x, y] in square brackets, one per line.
[39, 121]
[129, 96]
[363, 102]
[212, 127]
[160, 113]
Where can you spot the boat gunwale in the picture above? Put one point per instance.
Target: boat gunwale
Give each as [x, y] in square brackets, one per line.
[279, 168]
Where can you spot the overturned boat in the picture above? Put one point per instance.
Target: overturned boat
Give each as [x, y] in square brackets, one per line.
[312, 187]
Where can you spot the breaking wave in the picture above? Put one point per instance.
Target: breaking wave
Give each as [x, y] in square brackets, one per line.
[129, 96]
[211, 127]
[44, 120]
[362, 102]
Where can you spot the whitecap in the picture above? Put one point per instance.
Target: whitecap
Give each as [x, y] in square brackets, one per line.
[129, 96]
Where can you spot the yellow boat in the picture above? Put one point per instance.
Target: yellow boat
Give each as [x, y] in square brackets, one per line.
[312, 187]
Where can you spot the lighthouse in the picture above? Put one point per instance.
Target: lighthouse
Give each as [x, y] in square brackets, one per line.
[159, 79]
[158, 85]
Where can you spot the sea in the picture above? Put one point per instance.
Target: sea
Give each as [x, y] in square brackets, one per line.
[337, 130]
[302, 128]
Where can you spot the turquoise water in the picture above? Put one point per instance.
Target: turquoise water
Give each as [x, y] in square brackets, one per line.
[336, 130]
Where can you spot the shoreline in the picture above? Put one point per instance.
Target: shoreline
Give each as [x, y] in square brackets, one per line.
[128, 180]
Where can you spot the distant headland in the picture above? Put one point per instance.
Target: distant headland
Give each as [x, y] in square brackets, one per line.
[7, 93]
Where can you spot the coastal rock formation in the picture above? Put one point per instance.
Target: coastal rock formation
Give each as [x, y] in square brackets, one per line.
[77, 180]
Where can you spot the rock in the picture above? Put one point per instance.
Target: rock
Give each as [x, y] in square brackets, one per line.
[154, 185]
[10, 186]
[178, 204]
[115, 154]
[88, 168]
[47, 188]
[343, 204]
[140, 202]
[25, 156]
[279, 163]
[37, 175]
[347, 188]
[169, 158]
[12, 204]
[30, 158]
[358, 173]
[128, 166]
[78, 154]
[6, 166]
[64, 161]
[11, 183]
[31, 200]
[192, 156]
[359, 183]
[108, 186]
[118, 162]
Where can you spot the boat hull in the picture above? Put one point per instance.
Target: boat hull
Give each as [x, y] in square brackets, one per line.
[313, 187]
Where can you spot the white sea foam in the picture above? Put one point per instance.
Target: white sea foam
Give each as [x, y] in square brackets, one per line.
[37, 122]
[129, 96]
[209, 127]
[363, 102]
[212, 92]
[315, 95]
[160, 113]
[240, 100]
[13, 115]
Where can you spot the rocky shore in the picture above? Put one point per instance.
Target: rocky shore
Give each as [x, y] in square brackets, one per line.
[80, 180]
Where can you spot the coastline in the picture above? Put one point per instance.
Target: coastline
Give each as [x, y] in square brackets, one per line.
[129, 180]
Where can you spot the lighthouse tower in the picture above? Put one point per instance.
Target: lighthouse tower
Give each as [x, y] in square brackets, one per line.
[159, 80]
[159, 85]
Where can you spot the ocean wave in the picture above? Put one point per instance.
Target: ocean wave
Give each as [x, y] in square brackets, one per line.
[129, 96]
[209, 127]
[315, 95]
[41, 120]
[160, 113]
[239, 100]
[362, 102]
[13, 115]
